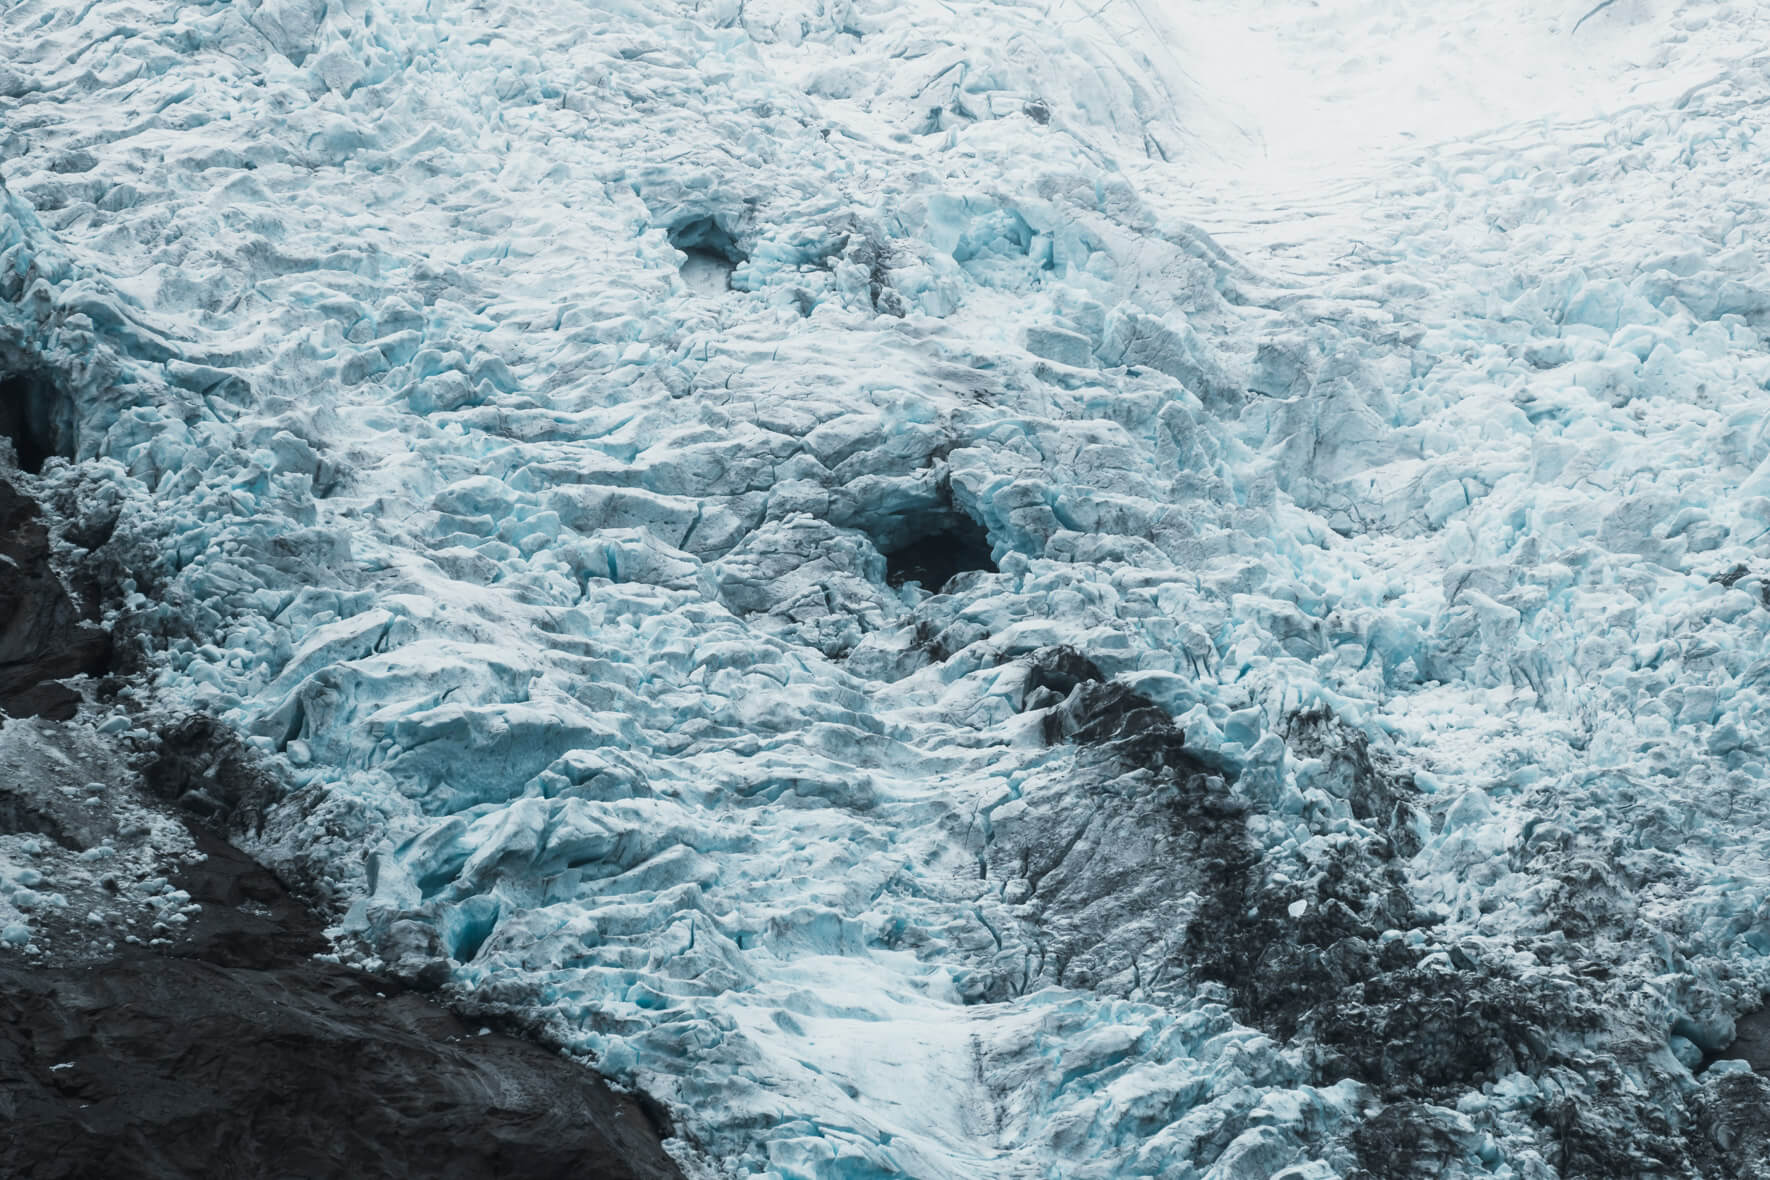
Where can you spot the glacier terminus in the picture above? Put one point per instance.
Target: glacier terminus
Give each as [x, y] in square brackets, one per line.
[947, 589]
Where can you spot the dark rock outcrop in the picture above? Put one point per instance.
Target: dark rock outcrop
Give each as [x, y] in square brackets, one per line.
[166, 1014]
[1153, 882]
[203, 768]
[44, 635]
[237, 1053]
[1104, 882]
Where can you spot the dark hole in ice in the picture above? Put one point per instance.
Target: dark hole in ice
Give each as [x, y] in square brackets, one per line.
[474, 923]
[1751, 1043]
[36, 417]
[947, 546]
[712, 254]
[707, 236]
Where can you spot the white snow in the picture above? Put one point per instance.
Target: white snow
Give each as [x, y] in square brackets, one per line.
[1323, 86]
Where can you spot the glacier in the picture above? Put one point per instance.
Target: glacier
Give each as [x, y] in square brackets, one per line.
[1334, 744]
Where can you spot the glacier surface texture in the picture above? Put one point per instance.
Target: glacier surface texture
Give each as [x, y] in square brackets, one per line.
[956, 589]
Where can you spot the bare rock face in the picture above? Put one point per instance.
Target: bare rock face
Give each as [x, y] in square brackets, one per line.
[169, 1010]
[44, 635]
[237, 1053]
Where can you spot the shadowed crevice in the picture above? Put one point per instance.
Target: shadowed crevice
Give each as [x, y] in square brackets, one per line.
[45, 636]
[712, 254]
[37, 417]
[940, 547]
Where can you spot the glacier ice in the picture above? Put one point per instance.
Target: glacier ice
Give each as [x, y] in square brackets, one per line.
[1352, 737]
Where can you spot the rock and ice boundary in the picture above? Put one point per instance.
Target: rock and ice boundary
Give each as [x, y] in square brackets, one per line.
[811, 548]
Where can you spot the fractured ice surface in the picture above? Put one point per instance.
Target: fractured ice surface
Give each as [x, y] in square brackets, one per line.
[1332, 737]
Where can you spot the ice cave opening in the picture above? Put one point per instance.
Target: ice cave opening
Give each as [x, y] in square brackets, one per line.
[36, 418]
[712, 254]
[937, 549]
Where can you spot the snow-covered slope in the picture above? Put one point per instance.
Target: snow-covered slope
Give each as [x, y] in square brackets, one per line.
[1349, 755]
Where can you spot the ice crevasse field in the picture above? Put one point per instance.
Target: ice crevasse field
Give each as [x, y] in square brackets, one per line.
[957, 589]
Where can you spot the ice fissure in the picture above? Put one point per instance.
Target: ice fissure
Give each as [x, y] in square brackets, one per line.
[938, 547]
[876, 571]
[35, 418]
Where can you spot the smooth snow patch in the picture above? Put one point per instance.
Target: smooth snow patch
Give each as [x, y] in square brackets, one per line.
[1328, 87]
